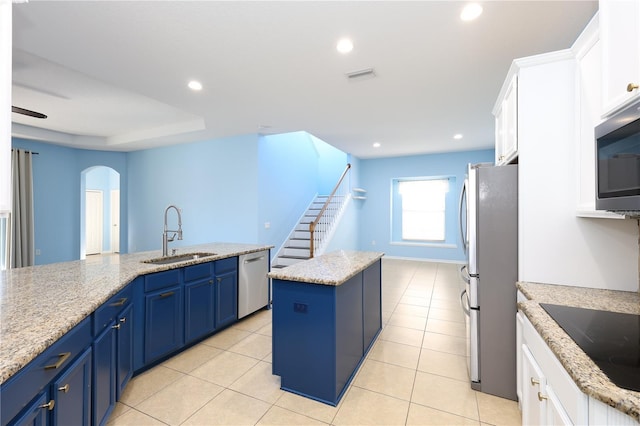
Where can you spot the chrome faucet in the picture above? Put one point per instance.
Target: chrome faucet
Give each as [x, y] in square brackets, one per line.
[165, 234]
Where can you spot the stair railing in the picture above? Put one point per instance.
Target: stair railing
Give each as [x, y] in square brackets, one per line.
[328, 213]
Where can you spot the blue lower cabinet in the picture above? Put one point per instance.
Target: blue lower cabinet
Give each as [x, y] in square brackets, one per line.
[124, 356]
[72, 393]
[372, 303]
[104, 375]
[32, 395]
[199, 316]
[226, 298]
[164, 323]
[37, 413]
[321, 333]
[317, 337]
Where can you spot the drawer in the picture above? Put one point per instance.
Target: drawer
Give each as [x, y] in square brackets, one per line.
[21, 388]
[226, 265]
[111, 308]
[195, 272]
[161, 280]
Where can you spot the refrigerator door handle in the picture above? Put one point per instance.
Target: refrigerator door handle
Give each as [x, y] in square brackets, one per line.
[463, 235]
[464, 298]
[464, 274]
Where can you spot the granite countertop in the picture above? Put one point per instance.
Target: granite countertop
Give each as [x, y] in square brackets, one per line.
[332, 268]
[39, 304]
[587, 376]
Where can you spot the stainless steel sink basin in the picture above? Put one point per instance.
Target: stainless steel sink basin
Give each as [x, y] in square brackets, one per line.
[178, 258]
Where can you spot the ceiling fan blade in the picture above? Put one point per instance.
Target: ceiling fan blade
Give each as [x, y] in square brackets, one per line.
[27, 112]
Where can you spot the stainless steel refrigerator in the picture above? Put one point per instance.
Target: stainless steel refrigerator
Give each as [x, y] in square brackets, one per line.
[489, 231]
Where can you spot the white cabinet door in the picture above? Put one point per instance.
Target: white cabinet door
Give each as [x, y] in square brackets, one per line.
[506, 146]
[556, 415]
[534, 403]
[620, 34]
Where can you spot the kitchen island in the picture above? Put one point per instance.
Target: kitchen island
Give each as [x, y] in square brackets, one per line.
[595, 399]
[77, 304]
[326, 315]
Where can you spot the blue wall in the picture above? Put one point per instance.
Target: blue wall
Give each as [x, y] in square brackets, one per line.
[215, 183]
[294, 167]
[376, 176]
[228, 189]
[57, 191]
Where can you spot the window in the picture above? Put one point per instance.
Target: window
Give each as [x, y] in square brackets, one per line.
[419, 209]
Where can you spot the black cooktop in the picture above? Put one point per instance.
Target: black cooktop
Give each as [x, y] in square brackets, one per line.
[610, 339]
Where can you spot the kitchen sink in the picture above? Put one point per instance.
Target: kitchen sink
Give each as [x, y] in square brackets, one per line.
[178, 258]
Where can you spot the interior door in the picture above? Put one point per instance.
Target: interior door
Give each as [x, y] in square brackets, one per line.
[115, 220]
[93, 217]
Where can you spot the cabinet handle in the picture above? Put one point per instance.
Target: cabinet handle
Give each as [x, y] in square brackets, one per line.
[61, 359]
[210, 281]
[49, 405]
[219, 280]
[117, 326]
[167, 294]
[123, 320]
[64, 388]
[541, 397]
[632, 86]
[119, 302]
[534, 382]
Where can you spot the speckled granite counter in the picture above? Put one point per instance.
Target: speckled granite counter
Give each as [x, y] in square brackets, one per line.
[329, 269]
[39, 304]
[587, 376]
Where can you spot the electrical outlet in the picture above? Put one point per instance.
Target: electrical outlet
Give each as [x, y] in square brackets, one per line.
[373, 243]
[37, 252]
[300, 307]
[267, 225]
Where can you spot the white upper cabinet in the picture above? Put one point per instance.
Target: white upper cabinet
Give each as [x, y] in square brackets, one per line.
[588, 50]
[506, 113]
[620, 36]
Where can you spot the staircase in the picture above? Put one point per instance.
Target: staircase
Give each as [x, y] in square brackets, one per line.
[297, 247]
[309, 237]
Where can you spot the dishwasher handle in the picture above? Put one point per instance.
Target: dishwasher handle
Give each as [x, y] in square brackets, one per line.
[255, 259]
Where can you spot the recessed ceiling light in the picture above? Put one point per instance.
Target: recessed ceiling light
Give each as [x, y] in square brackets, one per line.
[195, 85]
[376, 145]
[457, 136]
[344, 45]
[471, 12]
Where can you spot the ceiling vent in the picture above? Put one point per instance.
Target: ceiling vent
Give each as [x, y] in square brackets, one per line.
[362, 74]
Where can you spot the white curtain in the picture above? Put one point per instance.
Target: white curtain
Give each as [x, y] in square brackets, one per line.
[21, 228]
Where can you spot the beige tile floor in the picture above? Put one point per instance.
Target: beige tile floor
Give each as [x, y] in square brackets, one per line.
[415, 374]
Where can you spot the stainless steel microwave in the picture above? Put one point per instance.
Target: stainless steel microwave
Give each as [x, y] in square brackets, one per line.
[618, 162]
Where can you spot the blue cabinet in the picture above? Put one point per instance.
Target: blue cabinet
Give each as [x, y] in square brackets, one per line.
[72, 393]
[371, 303]
[53, 387]
[211, 297]
[113, 353]
[36, 413]
[226, 291]
[178, 307]
[164, 323]
[321, 333]
[199, 297]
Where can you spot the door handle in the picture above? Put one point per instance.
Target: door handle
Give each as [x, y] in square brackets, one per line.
[462, 298]
[61, 359]
[120, 302]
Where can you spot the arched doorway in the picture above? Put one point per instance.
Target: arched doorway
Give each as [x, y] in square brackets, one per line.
[99, 211]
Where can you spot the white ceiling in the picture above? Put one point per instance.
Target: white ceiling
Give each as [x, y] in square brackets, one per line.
[112, 75]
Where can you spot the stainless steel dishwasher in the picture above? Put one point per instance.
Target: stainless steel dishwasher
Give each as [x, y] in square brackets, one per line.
[253, 283]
